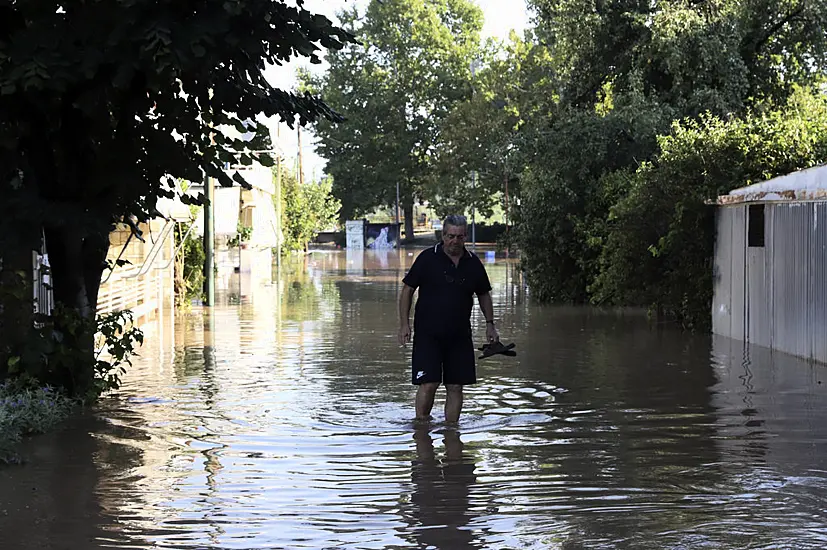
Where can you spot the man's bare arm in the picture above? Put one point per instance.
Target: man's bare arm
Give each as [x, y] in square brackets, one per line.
[487, 306]
[405, 300]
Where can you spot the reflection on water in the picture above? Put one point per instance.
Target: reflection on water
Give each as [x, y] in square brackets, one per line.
[283, 419]
[440, 500]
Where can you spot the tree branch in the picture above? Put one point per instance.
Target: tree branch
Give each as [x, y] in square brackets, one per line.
[761, 42]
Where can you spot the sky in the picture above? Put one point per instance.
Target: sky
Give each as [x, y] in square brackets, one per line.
[501, 16]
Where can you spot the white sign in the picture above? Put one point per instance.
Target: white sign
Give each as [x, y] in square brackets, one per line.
[355, 231]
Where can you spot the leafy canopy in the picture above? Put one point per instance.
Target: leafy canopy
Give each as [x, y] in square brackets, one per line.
[395, 89]
[103, 104]
[620, 74]
[306, 210]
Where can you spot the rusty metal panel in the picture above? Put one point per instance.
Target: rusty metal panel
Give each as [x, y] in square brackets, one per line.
[722, 273]
[790, 275]
[818, 282]
[799, 186]
[791, 195]
[738, 329]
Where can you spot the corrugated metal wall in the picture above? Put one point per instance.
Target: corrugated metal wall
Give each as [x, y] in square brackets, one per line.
[818, 281]
[738, 323]
[728, 305]
[722, 274]
[791, 228]
[757, 296]
[776, 295]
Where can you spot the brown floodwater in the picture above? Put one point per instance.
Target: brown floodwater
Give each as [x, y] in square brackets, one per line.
[283, 419]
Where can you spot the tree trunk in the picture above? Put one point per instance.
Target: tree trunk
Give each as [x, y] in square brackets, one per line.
[16, 303]
[409, 220]
[95, 249]
[65, 246]
[77, 262]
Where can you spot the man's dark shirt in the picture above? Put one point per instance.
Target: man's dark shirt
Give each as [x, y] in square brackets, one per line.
[446, 291]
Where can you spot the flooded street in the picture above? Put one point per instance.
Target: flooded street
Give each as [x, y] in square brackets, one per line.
[283, 419]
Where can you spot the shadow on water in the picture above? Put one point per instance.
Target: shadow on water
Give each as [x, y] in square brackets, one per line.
[283, 419]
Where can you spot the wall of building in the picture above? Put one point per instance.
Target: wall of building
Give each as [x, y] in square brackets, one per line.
[770, 276]
[251, 260]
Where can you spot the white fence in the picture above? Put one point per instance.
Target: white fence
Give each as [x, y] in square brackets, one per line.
[145, 286]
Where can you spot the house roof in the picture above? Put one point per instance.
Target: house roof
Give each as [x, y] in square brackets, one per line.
[804, 185]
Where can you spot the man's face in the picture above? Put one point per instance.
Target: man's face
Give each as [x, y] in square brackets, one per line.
[453, 237]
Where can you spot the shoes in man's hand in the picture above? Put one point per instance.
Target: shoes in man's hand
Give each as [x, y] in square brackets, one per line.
[495, 348]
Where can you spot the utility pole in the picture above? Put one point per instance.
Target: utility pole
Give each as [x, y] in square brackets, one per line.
[301, 169]
[209, 231]
[475, 64]
[209, 242]
[278, 199]
[507, 206]
[398, 231]
[278, 213]
[474, 209]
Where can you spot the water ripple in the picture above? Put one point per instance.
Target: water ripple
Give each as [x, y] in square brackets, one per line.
[286, 422]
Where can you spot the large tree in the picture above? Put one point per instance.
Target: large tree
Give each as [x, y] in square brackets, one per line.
[104, 104]
[623, 72]
[395, 89]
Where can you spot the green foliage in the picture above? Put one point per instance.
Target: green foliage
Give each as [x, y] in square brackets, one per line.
[694, 56]
[306, 210]
[55, 352]
[27, 410]
[118, 338]
[563, 199]
[104, 104]
[395, 89]
[659, 251]
[242, 234]
[189, 265]
[609, 190]
[16, 310]
[117, 81]
[478, 135]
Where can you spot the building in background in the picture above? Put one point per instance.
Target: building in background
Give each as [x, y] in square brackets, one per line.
[247, 230]
[770, 270]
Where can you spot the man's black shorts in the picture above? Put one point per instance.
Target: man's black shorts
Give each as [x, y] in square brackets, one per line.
[446, 359]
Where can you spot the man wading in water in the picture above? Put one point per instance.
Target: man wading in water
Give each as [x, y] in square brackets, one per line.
[447, 276]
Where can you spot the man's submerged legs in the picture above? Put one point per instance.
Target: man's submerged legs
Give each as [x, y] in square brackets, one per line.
[453, 402]
[425, 394]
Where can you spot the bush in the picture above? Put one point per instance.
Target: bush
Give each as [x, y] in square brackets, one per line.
[659, 248]
[189, 266]
[56, 355]
[488, 233]
[306, 210]
[597, 226]
[559, 225]
[26, 410]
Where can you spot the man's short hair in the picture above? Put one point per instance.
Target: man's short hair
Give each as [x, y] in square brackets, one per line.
[456, 220]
